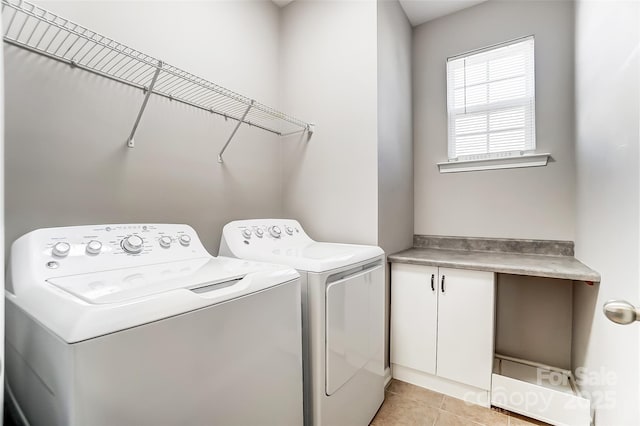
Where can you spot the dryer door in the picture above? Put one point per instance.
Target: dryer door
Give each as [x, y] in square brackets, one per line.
[350, 303]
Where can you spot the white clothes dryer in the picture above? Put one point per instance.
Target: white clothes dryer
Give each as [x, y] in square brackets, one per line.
[138, 325]
[342, 315]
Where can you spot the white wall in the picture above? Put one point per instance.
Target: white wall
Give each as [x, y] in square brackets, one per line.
[328, 76]
[395, 133]
[66, 160]
[608, 212]
[513, 203]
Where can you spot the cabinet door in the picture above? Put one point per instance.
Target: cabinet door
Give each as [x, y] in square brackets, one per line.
[466, 326]
[414, 316]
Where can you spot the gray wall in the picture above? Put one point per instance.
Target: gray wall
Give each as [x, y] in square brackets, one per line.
[534, 319]
[395, 141]
[2, 226]
[66, 162]
[395, 132]
[513, 203]
[328, 74]
[608, 229]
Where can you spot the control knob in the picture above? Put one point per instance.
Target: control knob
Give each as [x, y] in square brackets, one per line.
[288, 229]
[94, 247]
[246, 233]
[275, 231]
[61, 249]
[185, 240]
[165, 241]
[259, 232]
[133, 244]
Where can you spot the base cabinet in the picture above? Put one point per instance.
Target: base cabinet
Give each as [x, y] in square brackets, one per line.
[414, 317]
[442, 322]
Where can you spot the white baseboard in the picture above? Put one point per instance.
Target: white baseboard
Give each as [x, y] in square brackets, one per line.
[467, 393]
[387, 376]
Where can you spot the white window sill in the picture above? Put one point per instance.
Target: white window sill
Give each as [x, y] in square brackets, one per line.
[527, 160]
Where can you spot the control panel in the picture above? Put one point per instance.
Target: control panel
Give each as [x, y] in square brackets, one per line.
[271, 235]
[77, 249]
[266, 229]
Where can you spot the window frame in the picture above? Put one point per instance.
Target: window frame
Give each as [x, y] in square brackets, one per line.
[527, 157]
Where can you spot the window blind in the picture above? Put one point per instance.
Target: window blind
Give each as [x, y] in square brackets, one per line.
[491, 102]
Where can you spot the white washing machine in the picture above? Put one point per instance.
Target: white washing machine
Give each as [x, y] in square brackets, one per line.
[139, 325]
[342, 315]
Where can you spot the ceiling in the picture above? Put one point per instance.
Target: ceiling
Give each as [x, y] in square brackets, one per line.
[421, 11]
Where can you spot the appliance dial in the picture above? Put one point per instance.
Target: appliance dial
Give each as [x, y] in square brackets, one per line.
[94, 247]
[259, 232]
[133, 244]
[288, 229]
[275, 231]
[246, 233]
[61, 249]
[165, 241]
[185, 240]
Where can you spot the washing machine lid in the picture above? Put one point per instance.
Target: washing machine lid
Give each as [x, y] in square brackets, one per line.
[84, 306]
[320, 257]
[123, 285]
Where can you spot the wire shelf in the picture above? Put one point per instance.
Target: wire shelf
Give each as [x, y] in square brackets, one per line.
[41, 31]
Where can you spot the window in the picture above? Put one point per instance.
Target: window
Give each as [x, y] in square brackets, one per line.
[491, 103]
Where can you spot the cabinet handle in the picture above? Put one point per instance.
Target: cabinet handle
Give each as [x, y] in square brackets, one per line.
[442, 284]
[433, 278]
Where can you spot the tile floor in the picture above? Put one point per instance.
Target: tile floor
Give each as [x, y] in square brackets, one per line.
[409, 405]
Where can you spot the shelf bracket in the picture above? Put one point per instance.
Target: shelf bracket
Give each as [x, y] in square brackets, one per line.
[235, 129]
[130, 141]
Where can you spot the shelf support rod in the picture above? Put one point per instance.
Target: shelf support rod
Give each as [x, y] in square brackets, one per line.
[235, 129]
[131, 141]
[307, 129]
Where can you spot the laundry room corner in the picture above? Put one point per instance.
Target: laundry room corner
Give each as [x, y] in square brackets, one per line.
[66, 155]
[320, 212]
